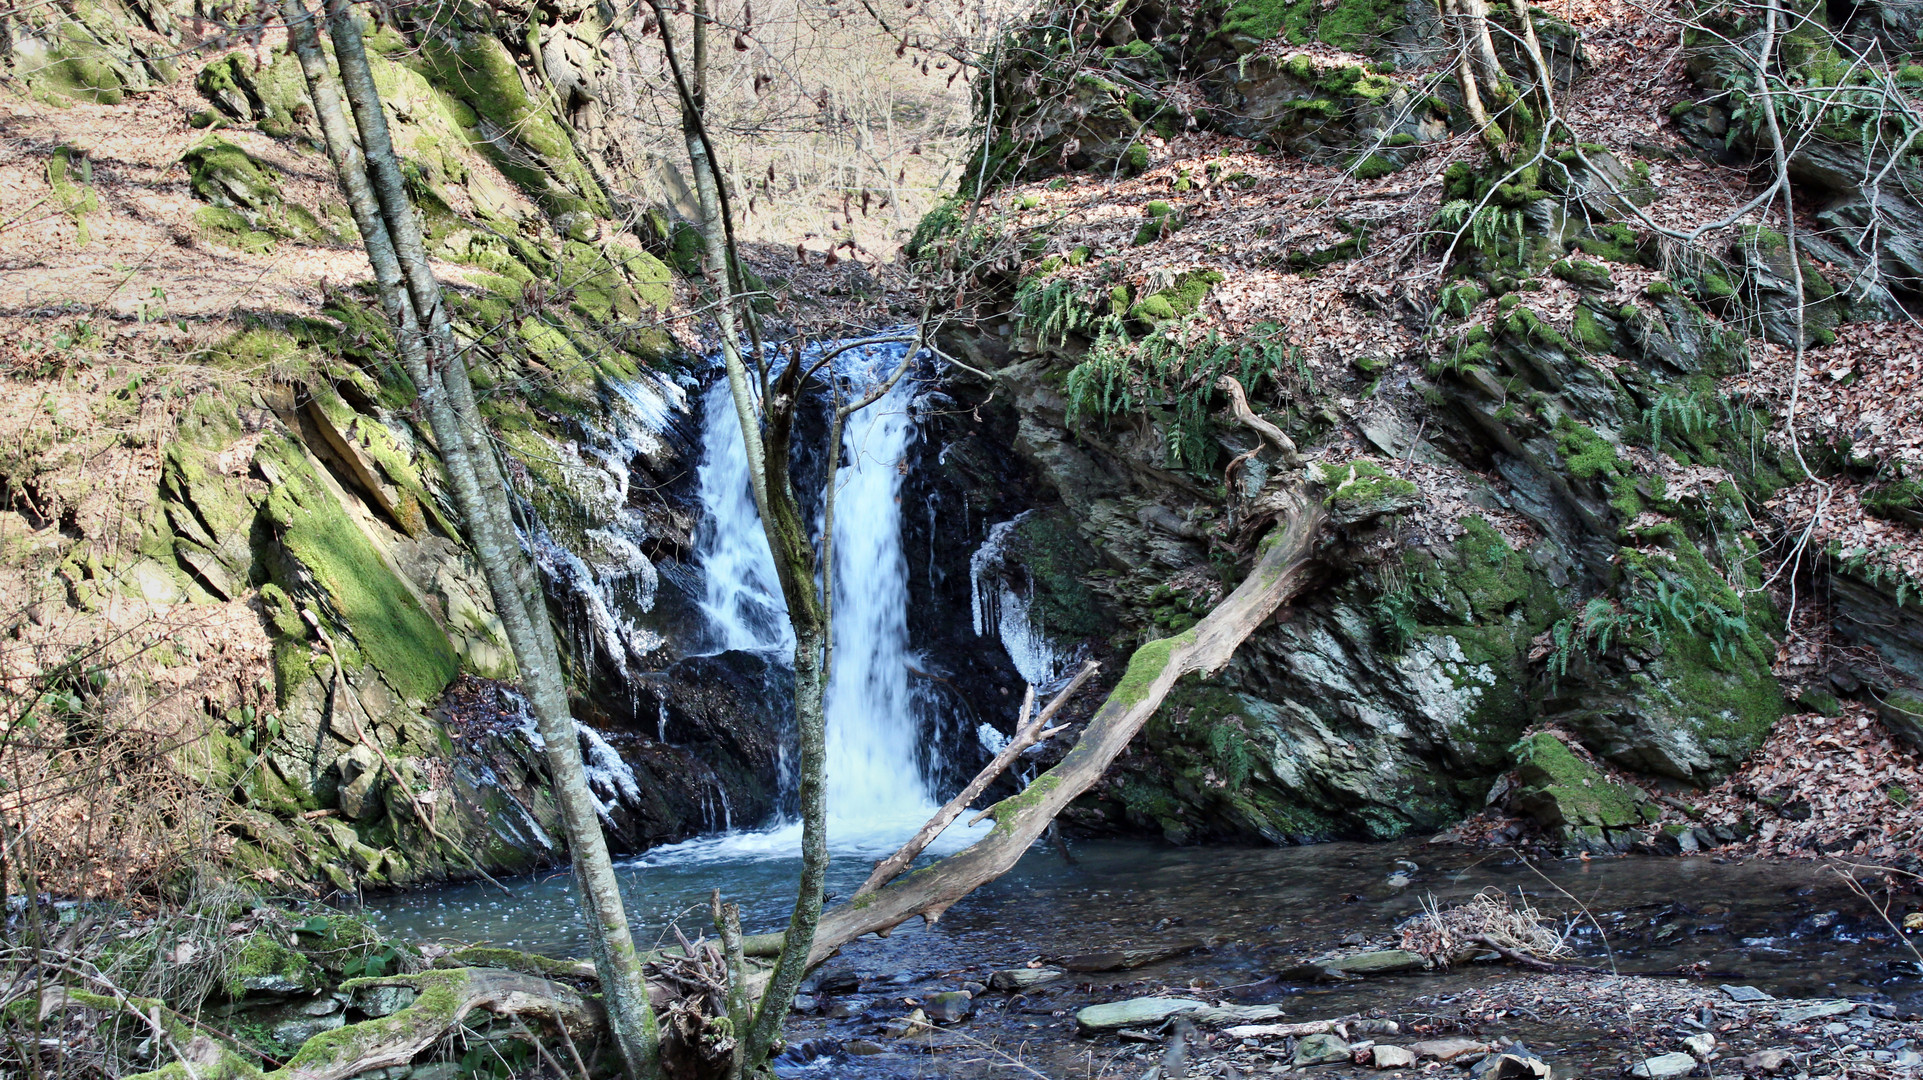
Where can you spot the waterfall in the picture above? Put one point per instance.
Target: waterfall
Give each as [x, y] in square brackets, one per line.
[875, 762]
[741, 595]
[874, 776]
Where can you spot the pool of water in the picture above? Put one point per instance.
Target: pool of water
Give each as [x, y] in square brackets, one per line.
[1792, 928]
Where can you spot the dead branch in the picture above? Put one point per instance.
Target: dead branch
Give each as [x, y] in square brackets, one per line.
[1028, 733]
[1239, 405]
[1278, 574]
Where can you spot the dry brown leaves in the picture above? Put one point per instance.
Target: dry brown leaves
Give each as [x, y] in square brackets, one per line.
[1860, 785]
[1864, 392]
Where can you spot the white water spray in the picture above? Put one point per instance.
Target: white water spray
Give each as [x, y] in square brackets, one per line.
[742, 597]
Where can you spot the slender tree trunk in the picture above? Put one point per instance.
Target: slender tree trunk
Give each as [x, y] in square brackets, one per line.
[788, 540]
[441, 381]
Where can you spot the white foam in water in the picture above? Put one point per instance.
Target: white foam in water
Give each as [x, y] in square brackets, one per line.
[876, 796]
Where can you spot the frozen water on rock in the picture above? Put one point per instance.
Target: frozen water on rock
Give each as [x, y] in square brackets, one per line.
[1006, 611]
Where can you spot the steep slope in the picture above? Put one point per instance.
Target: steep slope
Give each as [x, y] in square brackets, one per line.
[1620, 548]
[233, 592]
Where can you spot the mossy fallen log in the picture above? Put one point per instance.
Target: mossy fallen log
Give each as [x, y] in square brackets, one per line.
[443, 999]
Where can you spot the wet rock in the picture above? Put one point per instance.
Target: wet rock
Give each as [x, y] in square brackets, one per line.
[1447, 1050]
[1320, 1050]
[1128, 959]
[949, 1007]
[832, 979]
[1385, 962]
[975, 988]
[1817, 1011]
[1663, 1067]
[806, 1003]
[1135, 1012]
[1393, 1057]
[1745, 993]
[378, 1001]
[915, 1023]
[1313, 972]
[863, 1047]
[1514, 1063]
[1013, 979]
[294, 1032]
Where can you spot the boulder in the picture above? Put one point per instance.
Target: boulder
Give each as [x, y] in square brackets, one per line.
[1321, 1050]
[1135, 1012]
[1570, 798]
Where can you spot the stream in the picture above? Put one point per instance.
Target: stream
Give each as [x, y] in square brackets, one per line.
[1247, 913]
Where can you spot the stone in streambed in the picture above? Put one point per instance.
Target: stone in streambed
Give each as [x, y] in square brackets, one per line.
[1135, 1012]
[1320, 1050]
[1513, 1063]
[1819, 1010]
[1129, 959]
[1385, 962]
[1447, 1050]
[949, 1007]
[1664, 1067]
[1767, 1061]
[915, 1023]
[1013, 979]
[1393, 1057]
[1745, 993]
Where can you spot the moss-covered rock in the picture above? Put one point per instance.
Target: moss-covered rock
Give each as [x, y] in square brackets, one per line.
[245, 206]
[329, 565]
[1573, 799]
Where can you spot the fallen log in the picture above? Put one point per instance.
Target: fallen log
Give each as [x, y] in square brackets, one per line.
[443, 999]
[1279, 573]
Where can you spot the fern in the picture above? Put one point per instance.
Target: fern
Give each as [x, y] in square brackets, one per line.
[1682, 413]
[1175, 368]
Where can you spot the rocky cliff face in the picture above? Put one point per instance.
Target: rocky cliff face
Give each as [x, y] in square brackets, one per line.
[1601, 535]
[222, 514]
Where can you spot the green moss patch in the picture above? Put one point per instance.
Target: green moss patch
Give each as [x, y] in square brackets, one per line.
[333, 565]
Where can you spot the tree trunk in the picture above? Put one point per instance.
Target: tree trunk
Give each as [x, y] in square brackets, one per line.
[1278, 574]
[440, 379]
[788, 540]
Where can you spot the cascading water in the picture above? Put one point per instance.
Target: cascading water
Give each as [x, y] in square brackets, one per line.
[876, 757]
[741, 596]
